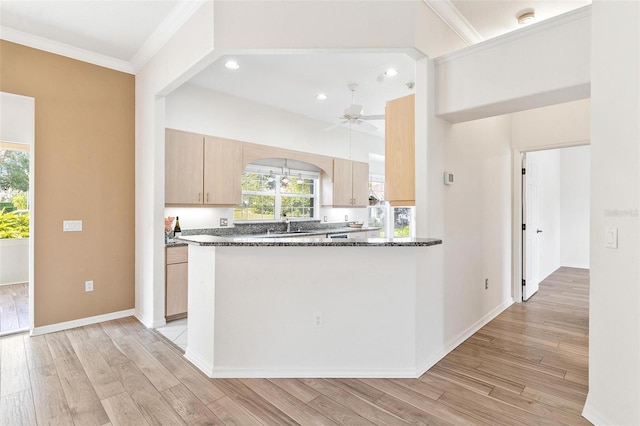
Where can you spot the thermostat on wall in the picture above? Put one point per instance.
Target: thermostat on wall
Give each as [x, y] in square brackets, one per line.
[448, 178]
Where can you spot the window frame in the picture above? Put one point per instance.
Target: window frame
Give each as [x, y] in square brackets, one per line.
[278, 194]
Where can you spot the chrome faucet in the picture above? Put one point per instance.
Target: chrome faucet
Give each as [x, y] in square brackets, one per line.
[288, 222]
[270, 230]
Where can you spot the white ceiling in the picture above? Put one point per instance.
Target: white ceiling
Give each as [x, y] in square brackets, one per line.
[124, 34]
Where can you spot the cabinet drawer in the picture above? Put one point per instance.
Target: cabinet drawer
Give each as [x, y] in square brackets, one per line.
[177, 254]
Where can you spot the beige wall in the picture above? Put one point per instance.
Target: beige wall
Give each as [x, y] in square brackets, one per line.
[84, 169]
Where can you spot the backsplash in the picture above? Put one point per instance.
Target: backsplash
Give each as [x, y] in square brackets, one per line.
[249, 228]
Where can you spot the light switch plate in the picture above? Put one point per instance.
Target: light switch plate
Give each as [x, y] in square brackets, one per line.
[71, 226]
[611, 237]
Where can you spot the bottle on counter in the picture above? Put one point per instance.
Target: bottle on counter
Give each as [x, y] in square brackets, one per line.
[176, 229]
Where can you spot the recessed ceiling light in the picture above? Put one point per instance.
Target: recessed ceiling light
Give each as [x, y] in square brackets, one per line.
[321, 97]
[232, 64]
[391, 72]
[526, 17]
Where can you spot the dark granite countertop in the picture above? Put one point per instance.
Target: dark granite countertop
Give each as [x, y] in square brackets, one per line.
[210, 240]
[319, 230]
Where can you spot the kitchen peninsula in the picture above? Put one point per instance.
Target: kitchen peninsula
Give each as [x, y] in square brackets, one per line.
[314, 307]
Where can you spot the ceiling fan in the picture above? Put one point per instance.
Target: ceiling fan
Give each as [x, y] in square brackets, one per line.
[353, 113]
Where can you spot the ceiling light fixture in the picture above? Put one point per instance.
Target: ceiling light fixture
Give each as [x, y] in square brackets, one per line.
[391, 72]
[232, 64]
[526, 17]
[300, 181]
[271, 177]
[321, 97]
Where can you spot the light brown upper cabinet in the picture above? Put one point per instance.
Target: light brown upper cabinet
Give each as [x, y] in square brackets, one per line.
[350, 184]
[222, 171]
[184, 167]
[202, 170]
[400, 177]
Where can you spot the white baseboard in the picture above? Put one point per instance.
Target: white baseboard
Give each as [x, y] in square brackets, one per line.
[595, 417]
[199, 362]
[425, 365]
[152, 323]
[61, 326]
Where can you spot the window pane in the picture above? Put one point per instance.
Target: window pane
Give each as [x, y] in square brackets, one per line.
[297, 206]
[257, 182]
[401, 221]
[256, 207]
[293, 187]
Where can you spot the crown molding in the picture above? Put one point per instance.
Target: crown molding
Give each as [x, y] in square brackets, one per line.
[163, 33]
[566, 18]
[455, 20]
[40, 43]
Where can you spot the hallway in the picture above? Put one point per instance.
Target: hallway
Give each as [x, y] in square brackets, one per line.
[527, 366]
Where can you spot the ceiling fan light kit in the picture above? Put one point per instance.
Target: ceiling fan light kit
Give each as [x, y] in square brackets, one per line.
[353, 114]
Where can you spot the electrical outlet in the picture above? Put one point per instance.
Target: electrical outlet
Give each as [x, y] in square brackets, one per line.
[325, 218]
[317, 319]
[88, 285]
[486, 283]
[346, 218]
[224, 221]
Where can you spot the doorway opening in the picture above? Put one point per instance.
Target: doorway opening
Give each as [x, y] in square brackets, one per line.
[14, 237]
[554, 193]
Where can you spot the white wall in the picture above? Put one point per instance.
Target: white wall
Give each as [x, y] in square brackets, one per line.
[477, 221]
[575, 190]
[553, 126]
[14, 260]
[614, 304]
[548, 171]
[544, 64]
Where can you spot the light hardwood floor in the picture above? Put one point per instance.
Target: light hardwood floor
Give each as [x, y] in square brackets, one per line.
[528, 366]
[14, 307]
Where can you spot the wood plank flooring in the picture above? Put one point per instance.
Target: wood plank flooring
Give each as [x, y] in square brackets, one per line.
[14, 307]
[528, 366]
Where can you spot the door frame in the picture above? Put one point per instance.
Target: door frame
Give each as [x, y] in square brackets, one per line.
[516, 210]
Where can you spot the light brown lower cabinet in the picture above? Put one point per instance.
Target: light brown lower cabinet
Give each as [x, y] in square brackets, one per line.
[176, 280]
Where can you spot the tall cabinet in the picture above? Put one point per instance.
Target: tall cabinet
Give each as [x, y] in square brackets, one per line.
[400, 140]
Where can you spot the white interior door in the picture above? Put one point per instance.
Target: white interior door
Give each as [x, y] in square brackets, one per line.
[530, 233]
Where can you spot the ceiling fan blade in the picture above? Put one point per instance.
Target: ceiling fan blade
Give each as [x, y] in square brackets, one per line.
[372, 117]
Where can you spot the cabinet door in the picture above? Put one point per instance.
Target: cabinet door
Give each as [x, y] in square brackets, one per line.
[342, 182]
[176, 290]
[183, 167]
[360, 183]
[399, 178]
[222, 171]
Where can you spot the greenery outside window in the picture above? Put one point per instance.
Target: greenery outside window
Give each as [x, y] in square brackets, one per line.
[14, 187]
[269, 194]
